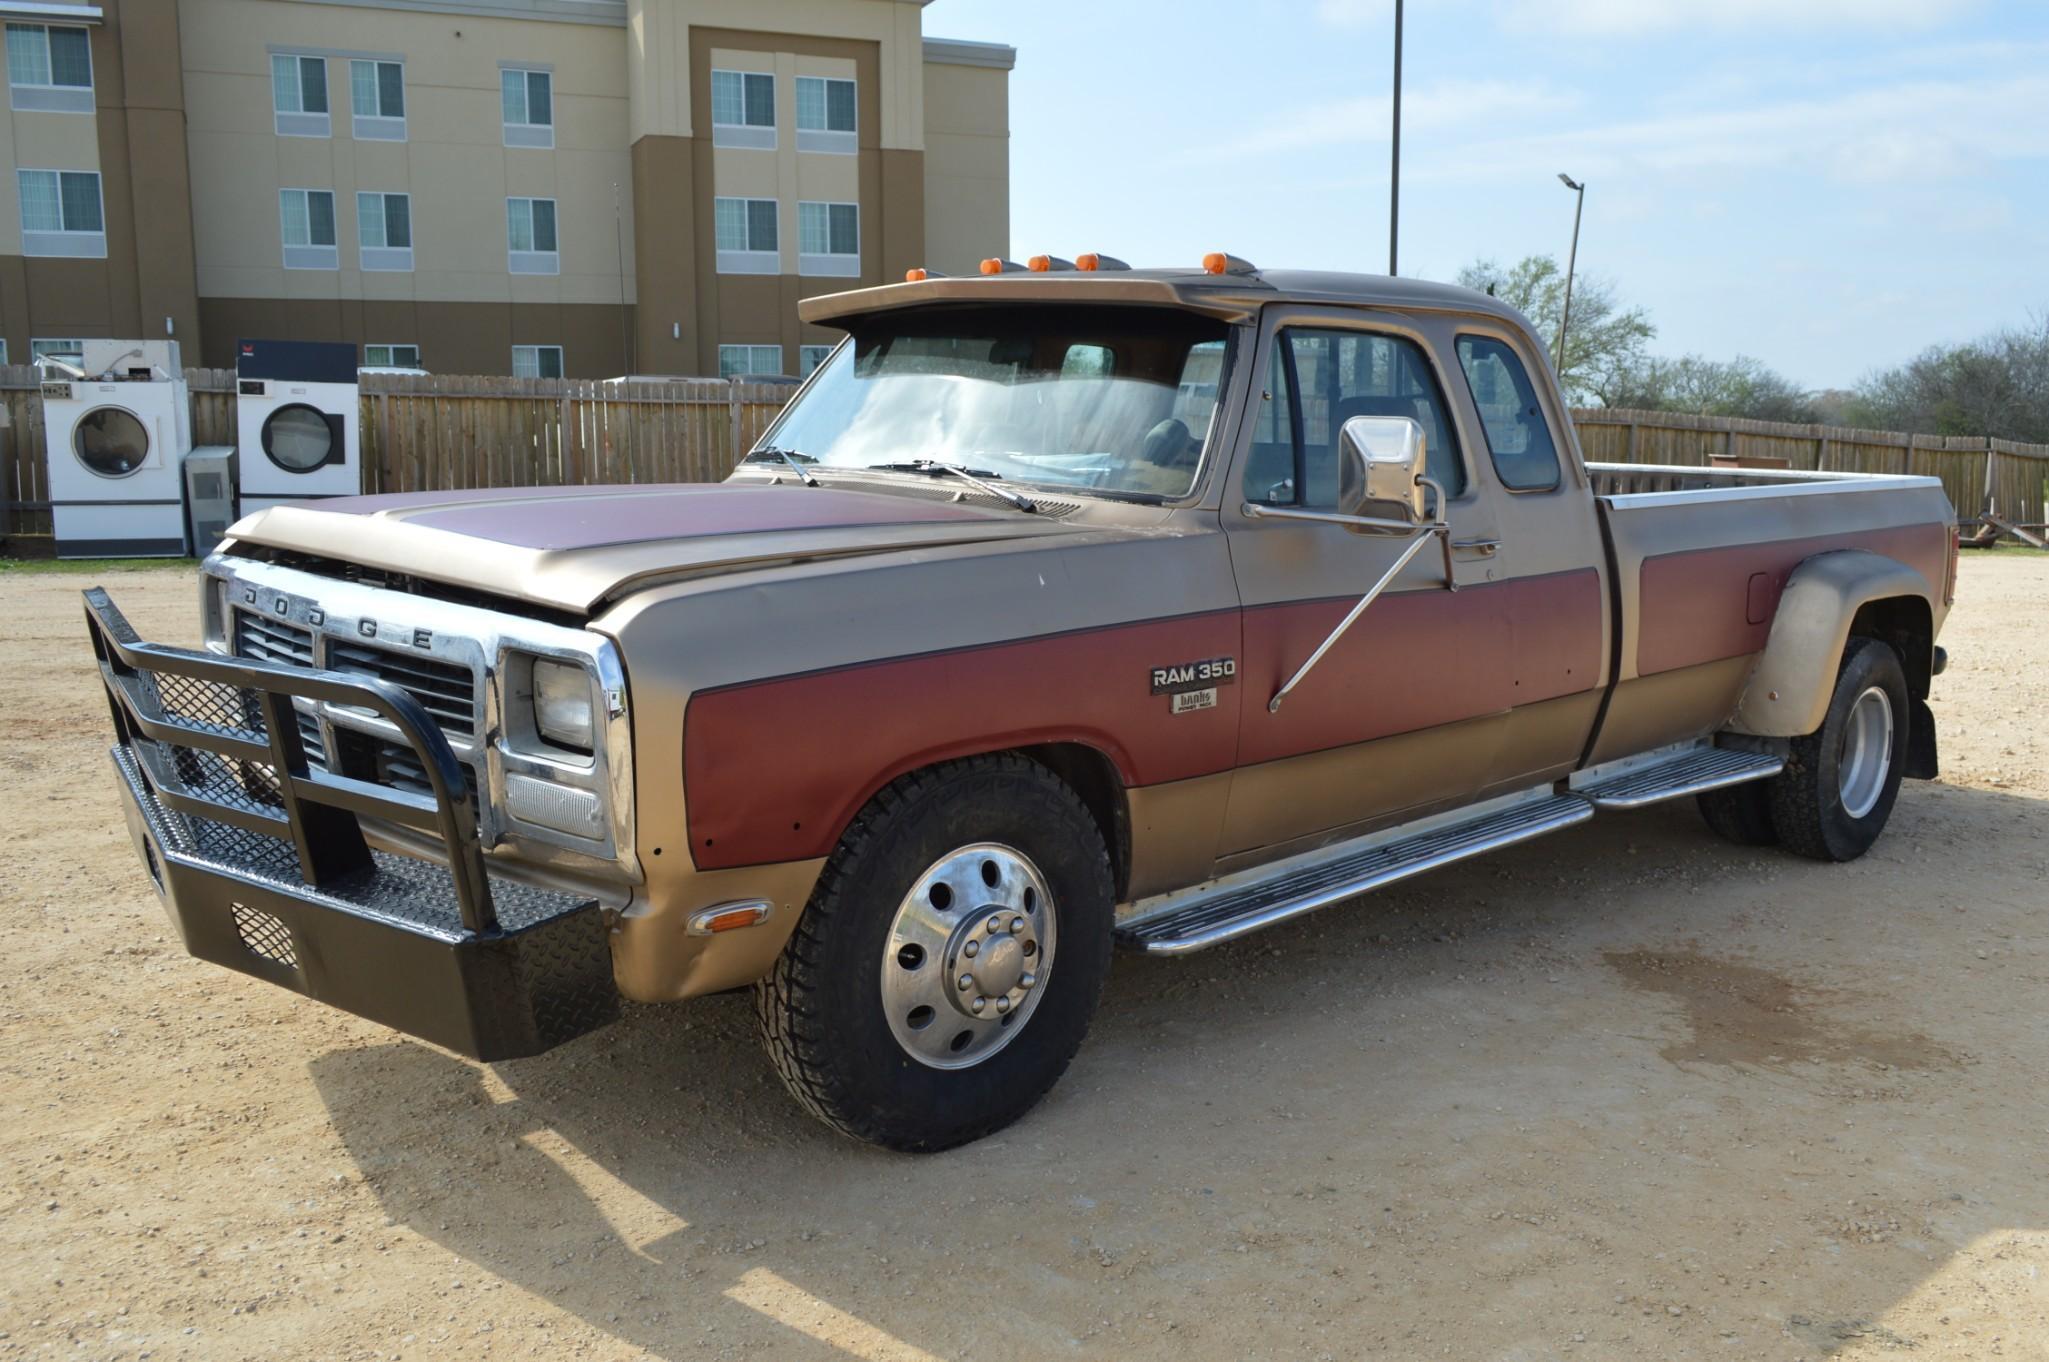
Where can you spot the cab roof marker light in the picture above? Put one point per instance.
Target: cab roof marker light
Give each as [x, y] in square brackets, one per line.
[920, 274]
[1216, 262]
[996, 265]
[1043, 264]
[1090, 262]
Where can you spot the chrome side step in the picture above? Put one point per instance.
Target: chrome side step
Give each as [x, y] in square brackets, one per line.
[1238, 905]
[1691, 770]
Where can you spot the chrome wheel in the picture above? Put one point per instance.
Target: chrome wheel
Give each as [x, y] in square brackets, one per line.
[967, 956]
[1866, 755]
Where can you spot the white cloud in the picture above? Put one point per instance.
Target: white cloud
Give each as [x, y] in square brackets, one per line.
[1622, 17]
[1353, 13]
[1366, 118]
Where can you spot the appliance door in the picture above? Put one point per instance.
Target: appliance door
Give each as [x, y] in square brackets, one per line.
[298, 438]
[112, 442]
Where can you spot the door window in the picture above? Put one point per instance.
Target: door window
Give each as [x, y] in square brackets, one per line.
[1518, 437]
[1317, 380]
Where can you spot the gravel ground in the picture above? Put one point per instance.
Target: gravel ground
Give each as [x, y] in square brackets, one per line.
[1625, 1092]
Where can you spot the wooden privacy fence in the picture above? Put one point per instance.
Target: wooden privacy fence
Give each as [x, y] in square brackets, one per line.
[434, 432]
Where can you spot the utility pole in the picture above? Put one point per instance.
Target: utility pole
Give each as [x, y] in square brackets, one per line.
[1571, 262]
[1394, 184]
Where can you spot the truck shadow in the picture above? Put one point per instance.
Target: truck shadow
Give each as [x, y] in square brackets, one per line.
[1301, 1124]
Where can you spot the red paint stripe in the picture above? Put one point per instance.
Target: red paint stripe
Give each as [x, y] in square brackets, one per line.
[774, 770]
[1702, 605]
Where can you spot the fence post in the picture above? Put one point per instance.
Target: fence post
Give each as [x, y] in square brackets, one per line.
[732, 422]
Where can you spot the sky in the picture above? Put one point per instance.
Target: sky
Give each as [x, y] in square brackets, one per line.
[1830, 186]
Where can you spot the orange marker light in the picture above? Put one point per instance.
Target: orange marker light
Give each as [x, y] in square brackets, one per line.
[1216, 262]
[992, 266]
[914, 276]
[727, 917]
[1039, 264]
[1087, 260]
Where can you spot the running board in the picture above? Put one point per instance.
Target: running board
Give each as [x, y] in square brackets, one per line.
[1694, 770]
[1223, 912]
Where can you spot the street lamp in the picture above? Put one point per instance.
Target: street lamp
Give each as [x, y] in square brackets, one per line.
[1571, 261]
[1394, 184]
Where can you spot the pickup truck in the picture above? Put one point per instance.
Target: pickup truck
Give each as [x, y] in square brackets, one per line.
[1063, 608]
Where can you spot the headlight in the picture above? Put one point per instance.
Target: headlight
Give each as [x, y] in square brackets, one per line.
[562, 703]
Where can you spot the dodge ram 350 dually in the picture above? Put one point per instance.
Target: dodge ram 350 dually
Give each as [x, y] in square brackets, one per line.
[1062, 608]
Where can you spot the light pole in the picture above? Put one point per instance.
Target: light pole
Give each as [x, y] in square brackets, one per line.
[1571, 261]
[1394, 184]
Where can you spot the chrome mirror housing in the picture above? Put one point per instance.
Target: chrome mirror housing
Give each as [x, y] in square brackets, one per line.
[1381, 469]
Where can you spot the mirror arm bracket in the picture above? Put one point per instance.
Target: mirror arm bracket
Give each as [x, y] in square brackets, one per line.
[1438, 531]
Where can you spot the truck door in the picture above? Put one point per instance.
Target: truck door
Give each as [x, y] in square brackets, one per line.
[1405, 711]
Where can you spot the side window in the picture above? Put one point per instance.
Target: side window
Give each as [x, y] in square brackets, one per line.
[1335, 376]
[1518, 437]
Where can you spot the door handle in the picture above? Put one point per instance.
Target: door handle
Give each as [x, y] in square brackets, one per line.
[1486, 548]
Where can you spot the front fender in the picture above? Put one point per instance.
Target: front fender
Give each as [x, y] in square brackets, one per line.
[1788, 693]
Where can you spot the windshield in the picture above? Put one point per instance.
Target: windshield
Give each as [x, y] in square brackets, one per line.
[1105, 399]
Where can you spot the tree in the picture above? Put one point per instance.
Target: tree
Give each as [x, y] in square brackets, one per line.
[1605, 340]
[1742, 386]
[1997, 385]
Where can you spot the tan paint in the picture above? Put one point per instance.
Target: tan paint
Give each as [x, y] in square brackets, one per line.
[666, 234]
[1789, 693]
[1646, 713]
[1174, 831]
[967, 171]
[655, 959]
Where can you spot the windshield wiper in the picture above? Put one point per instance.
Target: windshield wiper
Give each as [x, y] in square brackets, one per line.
[790, 457]
[979, 477]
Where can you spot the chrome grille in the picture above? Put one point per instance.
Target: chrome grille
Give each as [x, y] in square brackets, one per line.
[264, 639]
[445, 690]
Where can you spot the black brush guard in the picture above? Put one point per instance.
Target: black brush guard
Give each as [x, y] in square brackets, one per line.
[261, 861]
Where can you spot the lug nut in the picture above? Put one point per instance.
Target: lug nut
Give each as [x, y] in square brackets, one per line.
[972, 949]
[995, 925]
[967, 981]
[1016, 925]
[1003, 1004]
[1028, 981]
[978, 1004]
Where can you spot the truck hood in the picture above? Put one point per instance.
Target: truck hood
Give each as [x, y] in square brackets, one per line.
[571, 548]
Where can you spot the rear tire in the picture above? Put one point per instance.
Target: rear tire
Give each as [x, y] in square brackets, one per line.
[950, 960]
[1741, 813]
[1837, 791]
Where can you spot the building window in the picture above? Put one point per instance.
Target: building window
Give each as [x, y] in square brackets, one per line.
[537, 361]
[738, 361]
[829, 239]
[747, 240]
[530, 237]
[391, 356]
[809, 357]
[49, 69]
[72, 352]
[825, 115]
[298, 95]
[308, 220]
[3, 349]
[743, 110]
[529, 100]
[384, 231]
[60, 213]
[377, 97]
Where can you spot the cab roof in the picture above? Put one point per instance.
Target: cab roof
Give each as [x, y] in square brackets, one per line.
[1233, 297]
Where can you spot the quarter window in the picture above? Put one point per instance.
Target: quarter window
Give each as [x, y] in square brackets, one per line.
[377, 97]
[537, 361]
[49, 68]
[738, 361]
[529, 104]
[1518, 436]
[307, 220]
[1319, 379]
[298, 95]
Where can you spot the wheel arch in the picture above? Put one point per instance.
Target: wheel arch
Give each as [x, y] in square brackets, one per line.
[1828, 598]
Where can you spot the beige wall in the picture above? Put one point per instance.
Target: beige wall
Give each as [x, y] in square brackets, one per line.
[967, 165]
[453, 163]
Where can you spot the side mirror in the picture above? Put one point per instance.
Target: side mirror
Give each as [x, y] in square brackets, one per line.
[1381, 469]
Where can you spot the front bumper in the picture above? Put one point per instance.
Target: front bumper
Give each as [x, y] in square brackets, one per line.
[262, 867]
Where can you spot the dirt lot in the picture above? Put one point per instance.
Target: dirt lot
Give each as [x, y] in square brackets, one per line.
[1626, 1092]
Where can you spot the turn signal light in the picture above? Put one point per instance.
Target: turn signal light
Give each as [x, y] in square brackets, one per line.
[726, 917]
[1216, 262]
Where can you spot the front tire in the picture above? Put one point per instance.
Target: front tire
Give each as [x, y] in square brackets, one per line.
[1837, 791]
[950, 960]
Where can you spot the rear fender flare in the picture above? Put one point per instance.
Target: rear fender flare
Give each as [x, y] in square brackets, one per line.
[1788, 693]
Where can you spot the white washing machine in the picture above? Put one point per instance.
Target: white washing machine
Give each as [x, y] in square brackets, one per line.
[117, 428]
[296, 414]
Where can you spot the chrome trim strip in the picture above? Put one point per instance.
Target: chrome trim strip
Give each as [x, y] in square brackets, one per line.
[1750, 484]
